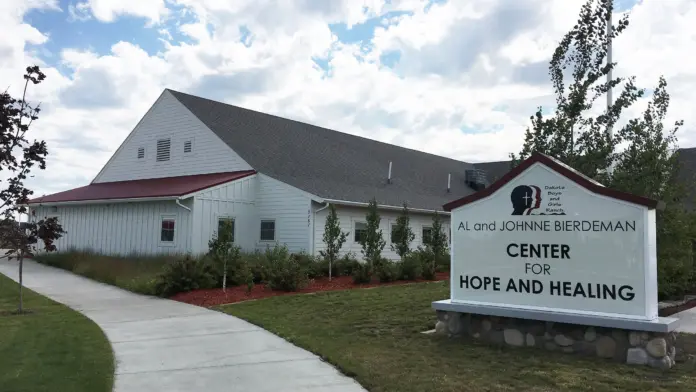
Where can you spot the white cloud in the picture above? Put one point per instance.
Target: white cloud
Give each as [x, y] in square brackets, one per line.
[469, 74]
[79, 12]
[108, 10]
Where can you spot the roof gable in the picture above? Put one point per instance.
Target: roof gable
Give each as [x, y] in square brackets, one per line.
[331, 164]
[192, 148]
[561, 169]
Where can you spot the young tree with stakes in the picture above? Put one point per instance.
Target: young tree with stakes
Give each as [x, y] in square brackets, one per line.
[403, 234]
[586, 139]
[223, 250]
[18, 157]
[334, 238]
[437, 244]
[373, 243]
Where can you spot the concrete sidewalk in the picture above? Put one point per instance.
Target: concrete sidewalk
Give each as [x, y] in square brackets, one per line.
[687, 320]
[163, 345]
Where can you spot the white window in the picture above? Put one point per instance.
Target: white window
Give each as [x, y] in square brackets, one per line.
[164, 147]
[427, 233]
[167, 230]
[393, 233]
[141, 152]
[222, 220]
[188, 146]
[360, 231]
[267, 230]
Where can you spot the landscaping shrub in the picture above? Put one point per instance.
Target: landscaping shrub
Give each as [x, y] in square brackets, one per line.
[258, 265]
[244, 275]
[184, 275]
[411, 267]
[428, 262]
[310, 264]
[362, 273]
[442, 263]
[346, 265]
[675, 278]
[285, 272]
[388, 271]
[322, 267]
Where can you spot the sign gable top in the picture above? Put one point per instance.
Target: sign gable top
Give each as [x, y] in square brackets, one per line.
[561, 169]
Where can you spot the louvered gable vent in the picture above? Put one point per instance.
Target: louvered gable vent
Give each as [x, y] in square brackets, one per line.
[188, 146]
[164, 147]
[141, 152]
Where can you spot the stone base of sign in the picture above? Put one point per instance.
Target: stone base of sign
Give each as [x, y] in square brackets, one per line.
[632, 346]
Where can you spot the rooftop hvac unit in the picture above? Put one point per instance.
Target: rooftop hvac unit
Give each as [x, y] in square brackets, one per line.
[476, 179]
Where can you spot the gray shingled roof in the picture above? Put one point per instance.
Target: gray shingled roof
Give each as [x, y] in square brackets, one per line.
[686, 160]
[494, 170]
[331, 164]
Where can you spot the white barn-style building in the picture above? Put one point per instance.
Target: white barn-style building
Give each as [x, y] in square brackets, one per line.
[192, 162]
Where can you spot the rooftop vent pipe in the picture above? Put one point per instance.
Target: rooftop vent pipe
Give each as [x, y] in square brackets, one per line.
[389, 177]
[449, 182]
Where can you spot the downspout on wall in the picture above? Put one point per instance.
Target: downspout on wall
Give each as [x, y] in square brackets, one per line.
[178, 202]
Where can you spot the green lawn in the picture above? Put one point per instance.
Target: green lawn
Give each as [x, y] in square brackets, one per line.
[52, 348]
[374, 336]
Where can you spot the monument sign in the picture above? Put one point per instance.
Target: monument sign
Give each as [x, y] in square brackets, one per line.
[545, 255]
[550, 239]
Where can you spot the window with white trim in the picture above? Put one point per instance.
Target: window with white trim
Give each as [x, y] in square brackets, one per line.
[267, 230]
[141, 152]
[360, 232]
[167, 230]
[164, 149]
[222, 220]
[188, 146]
[427, 235]
[394, 235]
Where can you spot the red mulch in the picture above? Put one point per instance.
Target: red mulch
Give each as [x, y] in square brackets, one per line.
[212, 297]
[666, 312]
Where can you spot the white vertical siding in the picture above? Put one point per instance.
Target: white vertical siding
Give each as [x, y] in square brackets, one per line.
[120, 228]
[236, 200]
[169, 118]
[349, 215]
[290, 207]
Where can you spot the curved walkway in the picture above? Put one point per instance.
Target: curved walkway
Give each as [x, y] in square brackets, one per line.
[163, 345]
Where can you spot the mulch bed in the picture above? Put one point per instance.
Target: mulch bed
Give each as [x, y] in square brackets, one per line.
[666, 312]
[213, 297]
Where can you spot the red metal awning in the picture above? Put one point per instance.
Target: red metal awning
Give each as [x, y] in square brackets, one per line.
[143, 189]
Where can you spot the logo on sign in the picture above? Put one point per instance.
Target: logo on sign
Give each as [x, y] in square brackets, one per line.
[526, 200]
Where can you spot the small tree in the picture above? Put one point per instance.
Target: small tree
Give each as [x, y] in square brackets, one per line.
[372, 243]
[402, 233]
[17, 157]
[223, 250]
[437, 245]
[334, 238]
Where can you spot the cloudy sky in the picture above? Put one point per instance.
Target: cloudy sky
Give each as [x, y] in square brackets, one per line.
[457, 78]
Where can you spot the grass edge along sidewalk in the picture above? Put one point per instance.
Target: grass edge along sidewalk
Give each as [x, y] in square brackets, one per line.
[51, 347]
[375, 336]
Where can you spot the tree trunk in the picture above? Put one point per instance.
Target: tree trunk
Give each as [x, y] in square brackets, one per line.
[20, 309]
[330, 269]
[224, 277]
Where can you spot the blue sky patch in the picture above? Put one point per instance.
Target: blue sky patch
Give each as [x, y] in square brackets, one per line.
[363, 31]
[91, 34]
